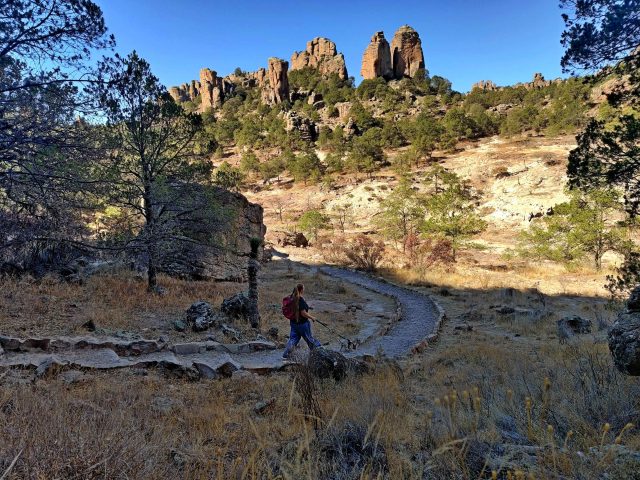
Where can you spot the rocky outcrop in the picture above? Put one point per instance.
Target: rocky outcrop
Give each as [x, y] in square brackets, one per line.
[321, 54]
[376, 61]
[211, 89]
[486, 85]
[406, 53]
[276, 89]
[624, 337]
[221, 245]
[236, 306]
[304, 126]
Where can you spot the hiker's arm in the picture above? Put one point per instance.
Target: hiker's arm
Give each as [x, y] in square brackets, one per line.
[305, 314]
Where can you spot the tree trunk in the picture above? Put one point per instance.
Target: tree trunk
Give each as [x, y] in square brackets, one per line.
[252, 273]
[254, 314]
[152, 275]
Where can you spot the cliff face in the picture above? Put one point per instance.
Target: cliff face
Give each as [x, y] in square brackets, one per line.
[376, 61]
[321, 54]
[277, 89]
[403, 58]
[406, 53]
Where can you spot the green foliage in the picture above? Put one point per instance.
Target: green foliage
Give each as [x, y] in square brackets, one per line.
[249, 163]
[272, 168]
[312, 221]
[305, 167]
[521, 119]
[451, 213]
[362, 117]
[609, 157]
[331, 87]
[401, 212]
[228, 177]
[366, 154]
[582, 226]
[423, 134]
[250, 132]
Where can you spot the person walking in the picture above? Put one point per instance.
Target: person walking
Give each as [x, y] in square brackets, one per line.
[295, 308]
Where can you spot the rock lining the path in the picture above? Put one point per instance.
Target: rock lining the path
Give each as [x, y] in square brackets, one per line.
[417, 321]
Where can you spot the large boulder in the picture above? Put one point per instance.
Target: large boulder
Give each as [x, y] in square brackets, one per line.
[485, 85]
[293, 239]
[624, 337]
[376, 60]
[573, 325]
[200, 315]
[236, 306]
[406, 53]
[277, 88]
[325, 363]
[321, 54]
[219, 240]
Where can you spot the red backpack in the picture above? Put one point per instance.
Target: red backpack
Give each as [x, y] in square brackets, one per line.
[288, 308]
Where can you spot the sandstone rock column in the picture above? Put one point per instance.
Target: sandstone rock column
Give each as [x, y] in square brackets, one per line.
[406, 52]
[376, 60]
[277, 91]
[210, 90]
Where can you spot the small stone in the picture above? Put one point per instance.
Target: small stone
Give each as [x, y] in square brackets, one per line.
[227, 368]
[273, 332]
[206, 371]
[46, 367]
[260, 407]
[505, 310]
[163, 339]
[73, 376]
[179, 325]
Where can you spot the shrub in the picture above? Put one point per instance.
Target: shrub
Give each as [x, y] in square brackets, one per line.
[364, 253]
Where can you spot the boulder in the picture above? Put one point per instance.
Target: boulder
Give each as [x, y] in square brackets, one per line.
[294, 239]
[200, 316]
[277, 89]
[324, 363]
[406, 53]
[376, 60]
[236, 306]
[574, 325]
[221, 239]
[624, 337]
[321, 54]
[304, 126]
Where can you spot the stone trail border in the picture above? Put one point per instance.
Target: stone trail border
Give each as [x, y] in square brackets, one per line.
[417, 323]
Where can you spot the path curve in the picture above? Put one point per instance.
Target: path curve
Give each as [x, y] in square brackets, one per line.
[418, 321]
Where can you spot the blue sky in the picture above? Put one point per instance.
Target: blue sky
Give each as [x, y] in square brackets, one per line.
[464, 40]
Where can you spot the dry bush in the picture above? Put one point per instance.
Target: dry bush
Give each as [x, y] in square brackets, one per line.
[364, 253]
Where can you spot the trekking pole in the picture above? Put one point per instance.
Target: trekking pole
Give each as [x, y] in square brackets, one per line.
[350, 343]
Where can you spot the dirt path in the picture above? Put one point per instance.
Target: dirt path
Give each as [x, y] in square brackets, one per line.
[418, 317]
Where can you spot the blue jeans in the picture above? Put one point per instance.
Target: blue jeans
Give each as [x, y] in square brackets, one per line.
[298, 331]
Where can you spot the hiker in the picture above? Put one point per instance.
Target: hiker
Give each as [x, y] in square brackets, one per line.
[296, 310]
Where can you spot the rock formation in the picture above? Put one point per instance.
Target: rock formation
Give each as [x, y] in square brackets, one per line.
[211, 89]
[486, 85]
[277, 89]
[237, 222]
[304, 126]
[406, 53]
[376, 61]
[624, 337]
[322, 55]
